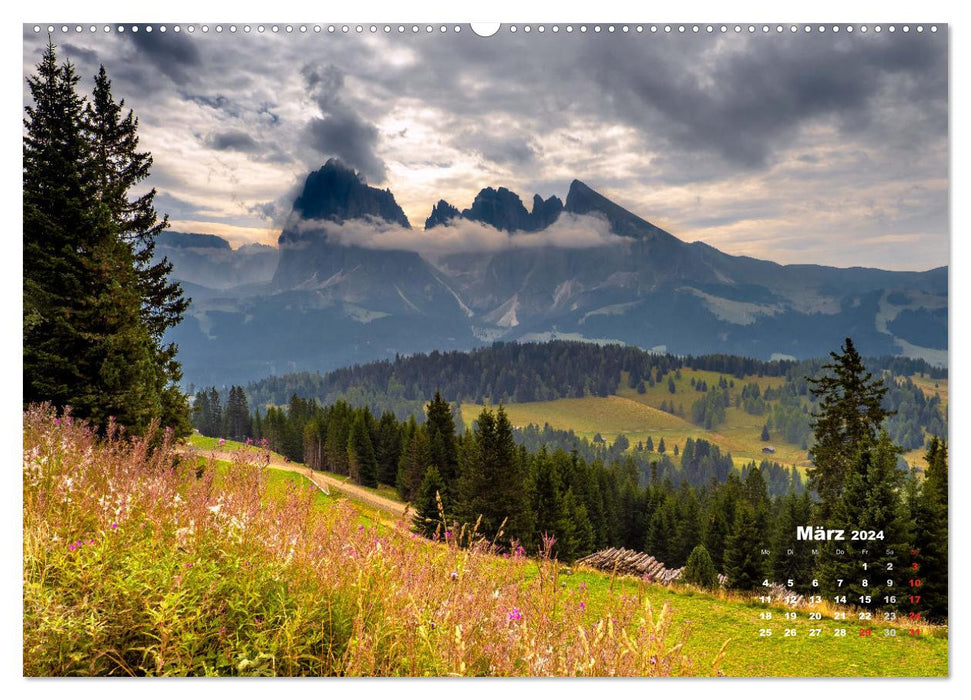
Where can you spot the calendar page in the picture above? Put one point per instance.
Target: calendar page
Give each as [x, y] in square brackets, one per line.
[445, 349]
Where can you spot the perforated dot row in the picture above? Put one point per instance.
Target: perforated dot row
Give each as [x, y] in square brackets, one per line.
[527, 28]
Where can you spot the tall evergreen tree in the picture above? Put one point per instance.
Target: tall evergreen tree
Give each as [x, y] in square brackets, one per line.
[743, 560]
[95, 306]
[849, 412]
[362, 462]
[929, 509]
[388, 448]
[493, 480]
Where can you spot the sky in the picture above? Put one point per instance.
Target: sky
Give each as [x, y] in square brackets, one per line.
[827, 148]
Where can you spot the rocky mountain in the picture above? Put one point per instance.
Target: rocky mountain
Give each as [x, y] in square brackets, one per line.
[336, 298]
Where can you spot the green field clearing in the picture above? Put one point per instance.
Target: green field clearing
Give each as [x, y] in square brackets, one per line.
[639, 415]
[713, 620]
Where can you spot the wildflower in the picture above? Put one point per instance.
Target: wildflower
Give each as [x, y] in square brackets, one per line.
[249, 441]
[583, 606]
[57, 421]
[360, 528]
[215, 509]
[514, 615]
[222, 441]
[454, 575]
[189, 565]
[114, 526]
[90, 541]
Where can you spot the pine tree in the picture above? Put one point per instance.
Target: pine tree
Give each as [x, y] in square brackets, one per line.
[928, 511]
[95, 308]
[699, 569]
[388, 449]
[550, 512]
[441, 439]
[743, 560]
[120, 167]
[59, 212]
[871, 501]
[650, 444]
[850, 412]
[493, 480]
[765, 433]
[661, 449]
[791, 559]
[363, 463]
[414, 462]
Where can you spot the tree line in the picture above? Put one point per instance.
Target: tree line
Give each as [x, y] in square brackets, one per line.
[518, 372]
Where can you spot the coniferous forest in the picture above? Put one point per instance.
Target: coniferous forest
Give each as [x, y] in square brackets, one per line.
[522, 485]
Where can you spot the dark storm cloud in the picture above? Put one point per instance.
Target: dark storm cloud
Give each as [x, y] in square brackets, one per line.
[233, 140]
[735, 97]
[79, 53]
[340, 131]
[175, 55]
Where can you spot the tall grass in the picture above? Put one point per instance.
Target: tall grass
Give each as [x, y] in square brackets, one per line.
[138, 564]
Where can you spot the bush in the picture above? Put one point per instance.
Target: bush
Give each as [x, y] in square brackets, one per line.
[699, 570]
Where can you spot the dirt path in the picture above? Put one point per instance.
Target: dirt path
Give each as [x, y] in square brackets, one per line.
[395, 508]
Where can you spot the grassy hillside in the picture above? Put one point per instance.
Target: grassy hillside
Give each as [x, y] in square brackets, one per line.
[639, 415]
[132, 567]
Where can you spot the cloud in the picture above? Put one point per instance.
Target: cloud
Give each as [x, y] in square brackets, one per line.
[175, 55]
[340, 131]
[233, 140]
[464, 236]
[724, 138]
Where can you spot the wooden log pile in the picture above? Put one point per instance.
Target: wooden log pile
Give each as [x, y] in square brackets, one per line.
[628, 562]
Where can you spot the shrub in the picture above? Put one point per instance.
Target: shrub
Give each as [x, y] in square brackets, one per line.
[699, 570]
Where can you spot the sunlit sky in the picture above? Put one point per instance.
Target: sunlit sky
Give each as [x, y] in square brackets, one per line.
[821, 148]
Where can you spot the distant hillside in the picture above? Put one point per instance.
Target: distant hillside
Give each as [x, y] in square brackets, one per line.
[614, 390]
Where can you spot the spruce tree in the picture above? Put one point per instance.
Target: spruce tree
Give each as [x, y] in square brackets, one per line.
[493, 483]
[849, 412]
[928, 510]
[792, 559]
[414, 462]
[388, 448]
[95, 306]
[743, 560]
[59, 212]
[362, 462]
[871, 501]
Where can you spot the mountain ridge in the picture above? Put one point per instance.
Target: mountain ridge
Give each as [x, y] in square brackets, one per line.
[339, 295]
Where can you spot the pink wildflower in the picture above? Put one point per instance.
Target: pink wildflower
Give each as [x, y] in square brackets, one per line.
[114, 526]
[514, 615]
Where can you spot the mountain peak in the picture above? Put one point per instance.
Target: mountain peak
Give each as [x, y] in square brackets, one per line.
[442, 213]
[582, 199]
[338, 193]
